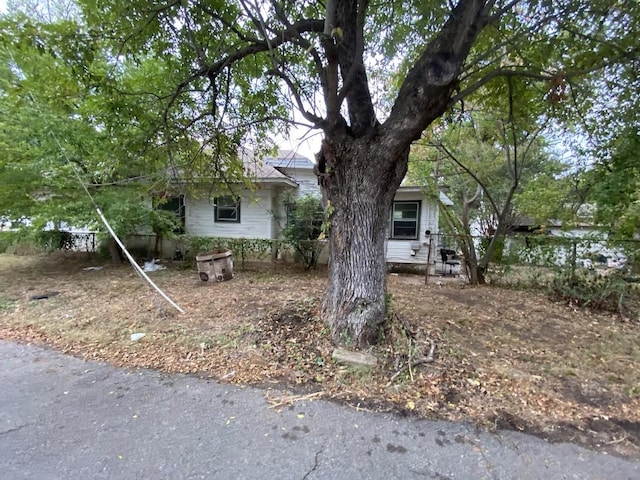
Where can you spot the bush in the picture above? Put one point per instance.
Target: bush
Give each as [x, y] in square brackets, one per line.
[241, 248]
[18, 243]
[304, 229]
[51, 240]
[7, 239]
[610, 293]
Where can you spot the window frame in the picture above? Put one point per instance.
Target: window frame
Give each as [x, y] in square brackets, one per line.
[392, 221]
[226, 206]
[180, 211]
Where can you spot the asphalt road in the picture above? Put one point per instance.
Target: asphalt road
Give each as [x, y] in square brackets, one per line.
[64, 418]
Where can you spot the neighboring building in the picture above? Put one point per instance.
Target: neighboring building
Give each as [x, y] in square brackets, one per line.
[255, 213]
[588, 242]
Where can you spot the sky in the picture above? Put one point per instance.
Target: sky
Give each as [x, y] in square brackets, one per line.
[303, 141]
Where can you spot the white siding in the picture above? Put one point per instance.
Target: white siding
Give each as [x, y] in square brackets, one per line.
[399, 251]
[306, 179]
[255, 217]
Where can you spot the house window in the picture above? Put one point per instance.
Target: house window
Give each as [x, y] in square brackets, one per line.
[405, 220]
[176, 206]
[227, 209]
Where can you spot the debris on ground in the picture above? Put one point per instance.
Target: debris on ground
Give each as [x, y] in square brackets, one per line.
[494, 357]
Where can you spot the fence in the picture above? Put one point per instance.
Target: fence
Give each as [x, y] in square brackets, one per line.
[551, 250]
[528, 250]
[67, 240]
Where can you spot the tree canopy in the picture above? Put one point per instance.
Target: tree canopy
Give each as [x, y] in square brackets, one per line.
[485, 157]
[61, 128]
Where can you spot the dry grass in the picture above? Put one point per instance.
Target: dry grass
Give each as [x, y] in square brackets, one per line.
[503, 358]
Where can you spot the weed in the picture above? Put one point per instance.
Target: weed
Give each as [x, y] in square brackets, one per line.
[609, 293]
[345, 337]
[224, 341]
[388, 304]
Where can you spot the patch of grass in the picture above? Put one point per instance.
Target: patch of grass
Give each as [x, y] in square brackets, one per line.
[634, 391]
[7, 303]
[263, 277]
[223, 341]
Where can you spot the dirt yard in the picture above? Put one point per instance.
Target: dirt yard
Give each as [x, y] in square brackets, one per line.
[502, 359]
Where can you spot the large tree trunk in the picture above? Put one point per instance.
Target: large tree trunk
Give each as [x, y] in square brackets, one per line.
[358, 200]
[362, 162]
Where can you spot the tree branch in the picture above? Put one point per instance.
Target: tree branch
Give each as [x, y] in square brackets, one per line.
[426, 91]
[501, 72]
[355, 85]
[284, 36]
[471, 174]
[294, 91]
[306, 45]
[212, 70]
[349, 78]
[329, 44]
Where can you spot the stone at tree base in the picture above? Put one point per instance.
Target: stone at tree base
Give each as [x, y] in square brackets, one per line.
[354, 358]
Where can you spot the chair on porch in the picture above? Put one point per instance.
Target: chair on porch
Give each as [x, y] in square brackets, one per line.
[450, 261]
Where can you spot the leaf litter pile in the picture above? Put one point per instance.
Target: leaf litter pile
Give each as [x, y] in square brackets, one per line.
[497, 358]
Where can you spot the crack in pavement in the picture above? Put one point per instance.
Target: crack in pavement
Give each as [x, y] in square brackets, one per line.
[14, 429]
[434, 475]
[316, 463]
[489, 466]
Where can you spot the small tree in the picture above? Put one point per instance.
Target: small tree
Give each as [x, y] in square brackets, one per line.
[304, 229]
[486, 158]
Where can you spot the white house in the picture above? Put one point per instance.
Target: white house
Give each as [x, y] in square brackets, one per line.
[250, 215]
[254, 214]
[588, 242]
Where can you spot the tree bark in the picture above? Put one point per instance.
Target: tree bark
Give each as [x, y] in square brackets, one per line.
[358, 200]
[362, 163]
[114, 251]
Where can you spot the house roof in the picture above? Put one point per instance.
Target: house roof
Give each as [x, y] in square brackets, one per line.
[259, 171]
[264, 173]
[410, 188]
[289, 159]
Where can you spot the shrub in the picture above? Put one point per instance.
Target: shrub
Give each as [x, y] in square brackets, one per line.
[51, 240]
[7, 239]
[304, 229]
[609, 293]
[241, 248]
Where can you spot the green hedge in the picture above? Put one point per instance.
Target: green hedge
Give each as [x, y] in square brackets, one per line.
[241, 248]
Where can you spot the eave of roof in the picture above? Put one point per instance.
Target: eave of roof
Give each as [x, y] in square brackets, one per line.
[263, 173]
[414, 189]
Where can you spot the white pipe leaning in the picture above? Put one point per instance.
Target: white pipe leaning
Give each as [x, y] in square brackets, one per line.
[134, 264]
